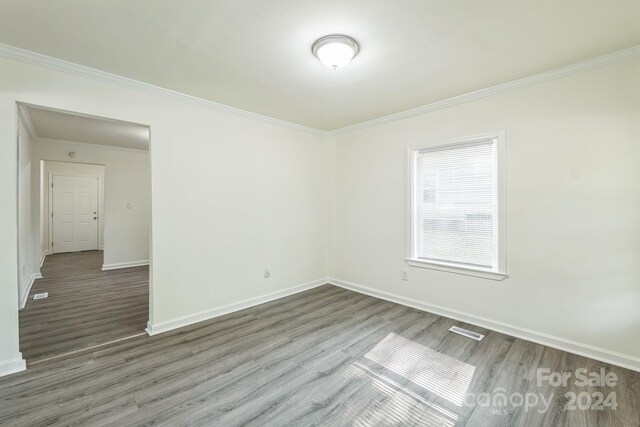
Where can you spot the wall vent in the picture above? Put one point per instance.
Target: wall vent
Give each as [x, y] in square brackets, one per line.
[467, 333]
[42, 295]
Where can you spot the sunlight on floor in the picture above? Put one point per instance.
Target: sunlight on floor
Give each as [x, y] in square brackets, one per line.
[395, 405]
[392, 371]
[440, 374]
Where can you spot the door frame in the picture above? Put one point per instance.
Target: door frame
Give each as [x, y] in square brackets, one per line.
[20, 116]
[50, 207]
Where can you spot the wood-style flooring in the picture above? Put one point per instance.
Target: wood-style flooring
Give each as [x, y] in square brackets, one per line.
[324, 357]
[86, 306]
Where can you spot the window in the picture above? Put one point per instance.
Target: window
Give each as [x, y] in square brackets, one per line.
[456, 207]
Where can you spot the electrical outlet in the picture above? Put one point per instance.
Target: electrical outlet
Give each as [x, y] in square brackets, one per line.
[267, 273]
[404, 275]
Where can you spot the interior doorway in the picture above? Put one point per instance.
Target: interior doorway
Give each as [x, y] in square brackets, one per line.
[84, 241]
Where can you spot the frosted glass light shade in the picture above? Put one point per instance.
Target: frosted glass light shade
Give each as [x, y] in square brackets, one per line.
[335, 51]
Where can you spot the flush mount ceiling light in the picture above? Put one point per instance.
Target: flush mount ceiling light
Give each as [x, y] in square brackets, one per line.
[335, 51]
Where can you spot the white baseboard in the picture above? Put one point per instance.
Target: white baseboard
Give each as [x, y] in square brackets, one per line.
[25, 296]
[43, 256]
[118, 265]
[158, 328]
[12, 366]
[601, 354]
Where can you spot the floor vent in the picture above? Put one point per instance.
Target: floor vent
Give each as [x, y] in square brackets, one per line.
[465, 332]
[42, 295]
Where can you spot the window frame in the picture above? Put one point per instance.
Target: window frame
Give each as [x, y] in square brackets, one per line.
[500, 271]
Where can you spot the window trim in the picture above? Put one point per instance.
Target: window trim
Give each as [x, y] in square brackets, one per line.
[500, 273]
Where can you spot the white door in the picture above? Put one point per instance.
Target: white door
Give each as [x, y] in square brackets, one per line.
[74, 214]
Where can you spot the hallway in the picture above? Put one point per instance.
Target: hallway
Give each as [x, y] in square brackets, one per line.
[86, 306]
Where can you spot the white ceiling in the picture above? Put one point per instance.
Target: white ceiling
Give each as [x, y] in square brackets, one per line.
[256, 54]
[58, 125]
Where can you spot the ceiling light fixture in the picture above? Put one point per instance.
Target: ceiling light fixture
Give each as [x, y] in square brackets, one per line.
[335, 51]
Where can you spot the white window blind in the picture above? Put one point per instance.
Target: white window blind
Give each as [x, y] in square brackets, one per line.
[455, 205]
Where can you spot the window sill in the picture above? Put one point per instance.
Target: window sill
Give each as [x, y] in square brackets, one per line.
[456, 269]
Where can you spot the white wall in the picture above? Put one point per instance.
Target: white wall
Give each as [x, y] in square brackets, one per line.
[230, 196]
[124, 176]
[573, 202]
[28, 206]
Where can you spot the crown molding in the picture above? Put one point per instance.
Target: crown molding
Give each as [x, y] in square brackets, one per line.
[23, 55]
[27, 56]
[588, 64]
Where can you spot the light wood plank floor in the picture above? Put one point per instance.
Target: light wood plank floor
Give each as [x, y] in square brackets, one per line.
[325, 357]
[86, 306]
